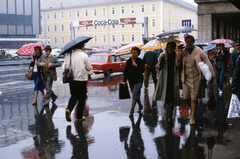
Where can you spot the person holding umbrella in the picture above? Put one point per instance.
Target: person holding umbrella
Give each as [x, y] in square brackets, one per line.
[48, 66]
[80, 64]
[39, 86]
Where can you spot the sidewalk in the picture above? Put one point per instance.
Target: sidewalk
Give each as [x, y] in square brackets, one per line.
[14, 62]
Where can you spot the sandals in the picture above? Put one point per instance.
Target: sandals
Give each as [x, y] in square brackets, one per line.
[34, 102]
[44, 98]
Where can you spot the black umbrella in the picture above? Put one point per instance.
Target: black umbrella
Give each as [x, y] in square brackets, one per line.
[74, 44]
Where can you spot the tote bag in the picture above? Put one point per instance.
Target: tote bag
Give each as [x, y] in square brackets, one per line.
[123, 91]
[234, 107]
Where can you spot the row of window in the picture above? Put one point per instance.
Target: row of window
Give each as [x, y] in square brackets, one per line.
[113, 12]
[153, 24]
[178, 12]
[104, 40]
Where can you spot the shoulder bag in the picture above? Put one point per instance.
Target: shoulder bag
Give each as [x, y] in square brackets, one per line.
[67, 73]
[29, 74]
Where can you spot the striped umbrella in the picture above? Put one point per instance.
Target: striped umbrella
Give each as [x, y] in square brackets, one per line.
[127, 48]
[158, 45]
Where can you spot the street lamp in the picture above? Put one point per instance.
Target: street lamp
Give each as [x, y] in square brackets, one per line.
[169, 15]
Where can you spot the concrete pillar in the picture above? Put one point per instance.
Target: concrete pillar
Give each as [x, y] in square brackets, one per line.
[234, 33]
[231, 31]
[221, 29]
[237, 33]
[205, 27]
[227, 31]
[215, 29]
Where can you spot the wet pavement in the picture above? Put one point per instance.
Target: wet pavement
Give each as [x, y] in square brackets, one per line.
[36, 132]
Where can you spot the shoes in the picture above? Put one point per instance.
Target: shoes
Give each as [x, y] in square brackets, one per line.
[44, 98]
[68, 115]
[81, 120]
[140, 108]
[54, 99]
[192, 121]
[34, 102]
[220, 91]
[131, 116]
[145, 89]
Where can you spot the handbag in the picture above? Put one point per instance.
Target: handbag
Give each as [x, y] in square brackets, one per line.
[67, 73]
[234, 107]
[211, 103]
[123, 91]
[29, 74]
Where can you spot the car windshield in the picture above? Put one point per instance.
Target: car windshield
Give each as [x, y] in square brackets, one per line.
[12, 51]
[98, 58]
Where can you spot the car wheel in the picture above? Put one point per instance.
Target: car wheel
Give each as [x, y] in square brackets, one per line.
[16, 57]
[108, 73]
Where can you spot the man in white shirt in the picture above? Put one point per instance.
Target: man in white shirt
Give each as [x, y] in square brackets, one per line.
[80, 64]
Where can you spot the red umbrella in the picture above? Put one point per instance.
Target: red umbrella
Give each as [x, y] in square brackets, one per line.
[222, 41]
[28, 49]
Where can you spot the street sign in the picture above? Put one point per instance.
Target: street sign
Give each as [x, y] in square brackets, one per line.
[187, 23]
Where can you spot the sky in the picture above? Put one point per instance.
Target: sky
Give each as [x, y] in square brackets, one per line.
[191, 1]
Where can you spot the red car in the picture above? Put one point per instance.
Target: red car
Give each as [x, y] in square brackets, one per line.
[107, 63]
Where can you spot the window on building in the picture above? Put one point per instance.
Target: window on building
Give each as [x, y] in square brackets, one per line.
[142, 36]
[165, 25]
[122, 10]
[69, 39]
[48, 29]
[104, 27]
[47, 16]
[86, 28]
[113, 38]
[62, 15]
[95, 39]
[41, 16]
[69, 27]
[95, 27]
[77, 14]
[176, 11]
[41, 29]
[104, 38]
[153, 7]
[69, 14]
[62, 27]
[48, 41]
[62, 40]
[172, 10]
[153, 35]
[55, 40]
[132, 38]
[165, 8]
[132, 25]
[95, 12]
[153, 23]
[113, 26]
[86, 13]
[123, 26]
[113, 10]
[104, 11]
[132, 9]
[122, 38]
[54, 15]
[55, 28]
[142, 8]
[142, 25]
[78, 28]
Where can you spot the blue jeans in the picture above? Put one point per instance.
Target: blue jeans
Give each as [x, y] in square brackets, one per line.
[220, 77]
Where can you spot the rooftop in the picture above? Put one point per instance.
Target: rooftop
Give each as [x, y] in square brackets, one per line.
[64, 4]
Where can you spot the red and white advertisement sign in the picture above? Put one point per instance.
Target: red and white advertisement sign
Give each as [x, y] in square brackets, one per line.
[117, 21]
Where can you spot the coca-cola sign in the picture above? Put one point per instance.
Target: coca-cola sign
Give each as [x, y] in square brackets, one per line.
[86, 23]
[128, 20]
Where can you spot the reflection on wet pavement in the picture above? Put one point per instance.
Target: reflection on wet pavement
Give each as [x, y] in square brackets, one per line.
[108, 132]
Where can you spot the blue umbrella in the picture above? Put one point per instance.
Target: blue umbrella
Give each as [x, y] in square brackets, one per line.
[209, 47]
[74, 44]
[176, 31]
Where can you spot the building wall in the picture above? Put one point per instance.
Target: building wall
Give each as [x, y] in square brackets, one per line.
[19, 18]
[158, 19]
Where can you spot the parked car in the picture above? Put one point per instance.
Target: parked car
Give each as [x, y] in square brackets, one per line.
[12, 53]
[107, 63]
[55, 52]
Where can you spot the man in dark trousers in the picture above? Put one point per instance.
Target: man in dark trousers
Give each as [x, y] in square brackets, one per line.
[150, 59]
[235, 55]
[48, 65]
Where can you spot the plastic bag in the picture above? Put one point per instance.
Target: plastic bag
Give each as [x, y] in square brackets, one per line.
[205, 71]
[234, 107]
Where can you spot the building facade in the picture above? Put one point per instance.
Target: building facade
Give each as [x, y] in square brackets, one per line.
[19, 20]
[56, 18]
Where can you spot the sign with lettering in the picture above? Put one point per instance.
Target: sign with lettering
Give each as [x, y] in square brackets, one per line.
[117, 21]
